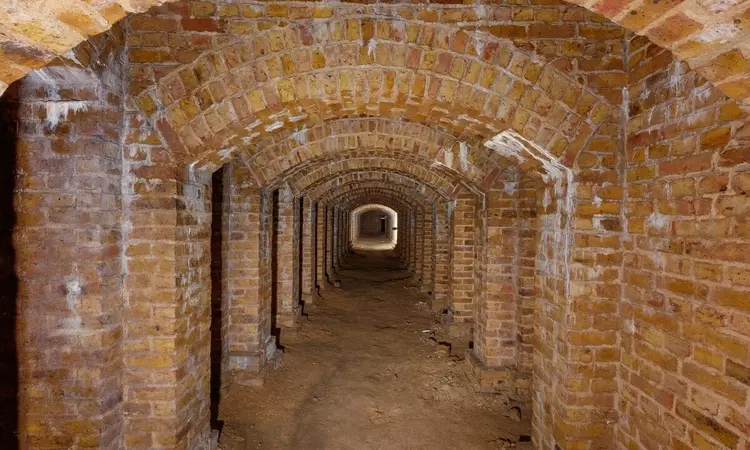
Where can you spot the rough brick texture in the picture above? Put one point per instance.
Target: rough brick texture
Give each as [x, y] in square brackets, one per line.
[685, 343]
[64, 124]
[178, 187]
[710, 35]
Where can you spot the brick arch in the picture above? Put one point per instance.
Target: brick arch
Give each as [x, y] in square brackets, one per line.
[293, 149]
[476, 84]
[348, 198]
[351, 201]
[405, 188]
[705, 35]
[309, 180]
[346, 158]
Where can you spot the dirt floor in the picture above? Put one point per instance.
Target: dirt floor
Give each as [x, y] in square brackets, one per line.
[364, 370]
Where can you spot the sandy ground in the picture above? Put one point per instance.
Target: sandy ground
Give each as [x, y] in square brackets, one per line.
[362, 372]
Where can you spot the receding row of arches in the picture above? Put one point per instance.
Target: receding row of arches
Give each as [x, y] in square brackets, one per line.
[182, 185]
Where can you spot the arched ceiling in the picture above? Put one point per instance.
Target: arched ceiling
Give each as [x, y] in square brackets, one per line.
[376, 166]
[291, 150]
[711, 35]
[396, 183]
[352, 159]
[227, 100]
[350, 202]
[349, 199]
[373, 206]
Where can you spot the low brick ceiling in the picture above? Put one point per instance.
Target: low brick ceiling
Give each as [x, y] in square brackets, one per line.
[711, 35]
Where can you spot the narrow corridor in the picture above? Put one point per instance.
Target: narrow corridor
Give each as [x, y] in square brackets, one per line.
[364, 371]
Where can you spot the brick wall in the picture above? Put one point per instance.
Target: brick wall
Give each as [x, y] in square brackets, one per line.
[685, 342]
[369, 223]
[283, 255]
[63, 128]
[600, 248]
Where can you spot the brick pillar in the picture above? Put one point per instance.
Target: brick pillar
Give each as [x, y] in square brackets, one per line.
[528, 189]
[297, 252]
[496, 328]
[344, 235]
[193, 312]
[335, 241]
[479, 263]
[428, 261]
[412, 239]
[329, 274]
[418, 226]
[404, 240]
[307, 282]
[166, 340]
[320, 251]
[462, 268]
[249, 275]
[442, 289]
[285, 303]
[552, 364]
[61, 226]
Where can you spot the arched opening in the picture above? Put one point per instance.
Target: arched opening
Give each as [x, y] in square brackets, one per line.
[373, 227]
[558, 193]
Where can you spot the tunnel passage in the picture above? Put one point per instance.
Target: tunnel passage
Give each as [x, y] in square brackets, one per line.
[373, 227]
[570, 184]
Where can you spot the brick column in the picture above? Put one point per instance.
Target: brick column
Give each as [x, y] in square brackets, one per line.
[418, 226]
[462, 268]
[404, 241]
[412, 239]
[328, 267]
[528, 189]
[335, 241]
[285, 303]
[442, 289]
[428, 260]
[344, 235]
[496, 327]
[193, 310]
[249, 275]
[61, 262]
[307, 281]
[166, 340]
[320, 251]
[297, 252]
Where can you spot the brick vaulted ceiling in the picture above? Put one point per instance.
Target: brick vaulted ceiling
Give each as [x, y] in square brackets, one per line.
[713, 36]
